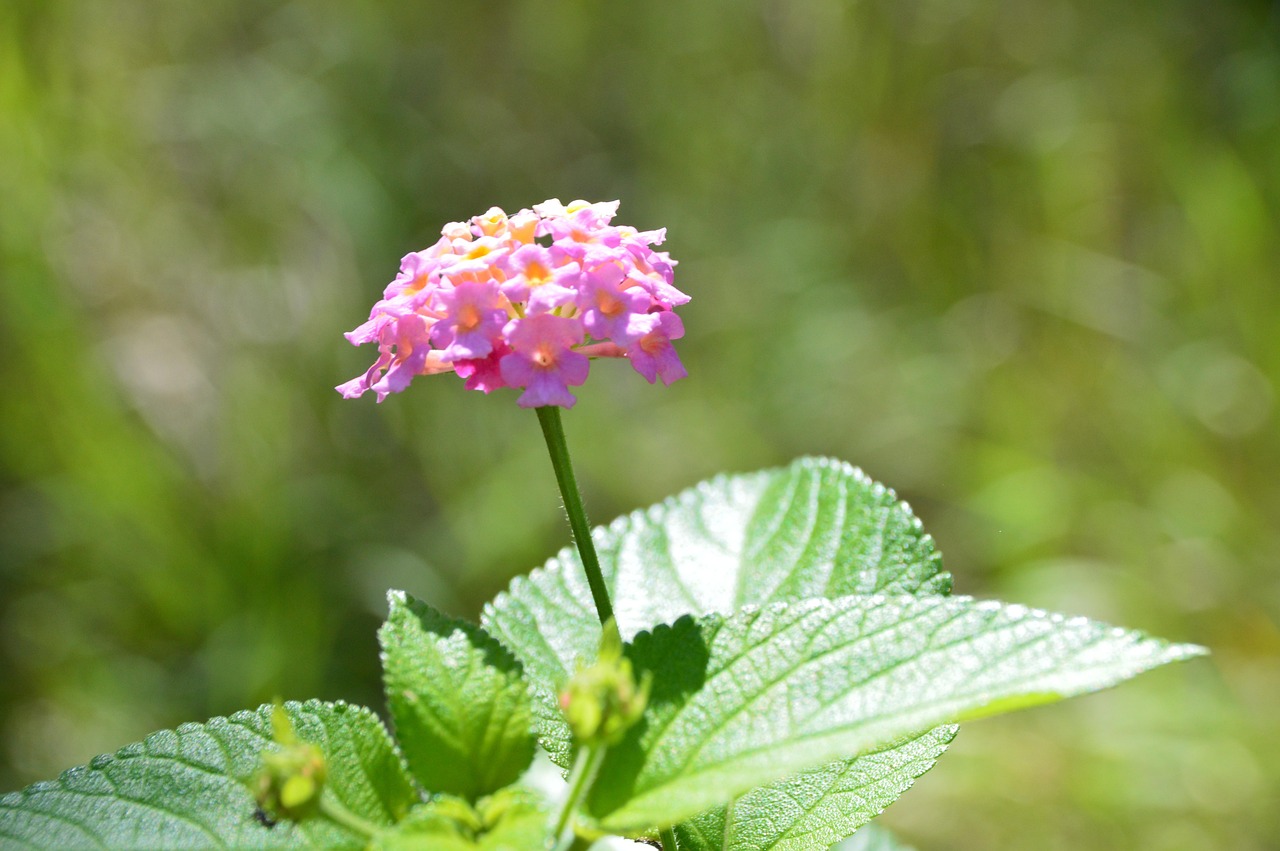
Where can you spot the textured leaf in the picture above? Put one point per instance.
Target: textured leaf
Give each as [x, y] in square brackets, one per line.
[818, 807]
[458, 699]
[744, 700]
[185, 788]
[816, 528]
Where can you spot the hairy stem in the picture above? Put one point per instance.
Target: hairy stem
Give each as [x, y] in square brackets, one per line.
[667, 836]
[553, 431]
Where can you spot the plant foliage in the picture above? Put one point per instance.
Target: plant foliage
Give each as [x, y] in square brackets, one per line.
[803, 663]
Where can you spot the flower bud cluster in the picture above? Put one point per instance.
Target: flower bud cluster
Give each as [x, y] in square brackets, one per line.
[603, 700]
[291, 778]
[525, 301]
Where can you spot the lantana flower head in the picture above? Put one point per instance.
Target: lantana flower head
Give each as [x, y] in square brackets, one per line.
[525, 301]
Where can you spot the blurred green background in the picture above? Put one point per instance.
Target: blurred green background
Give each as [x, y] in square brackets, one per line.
[1016, 258]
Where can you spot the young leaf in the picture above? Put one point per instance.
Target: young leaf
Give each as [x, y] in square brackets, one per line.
[458, 699]
[816, 528]
[186, 788]
[744, 700]
[818, 807]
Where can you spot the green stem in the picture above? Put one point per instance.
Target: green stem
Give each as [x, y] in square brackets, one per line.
[553, 431]
[334, 810]
[585, 768]
[667, 836]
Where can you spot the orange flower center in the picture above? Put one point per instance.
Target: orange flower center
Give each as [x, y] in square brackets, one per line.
[610, 305]
[469, 318]
[535, 273]
[653, 344]
[544, 356]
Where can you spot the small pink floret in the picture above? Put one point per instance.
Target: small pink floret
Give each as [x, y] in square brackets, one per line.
[484, 374]
[653, 355]
[542, 360]
[472, 323]
[610, 309]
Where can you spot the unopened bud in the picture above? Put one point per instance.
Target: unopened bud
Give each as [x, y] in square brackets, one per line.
[603, 700]
[290, 780]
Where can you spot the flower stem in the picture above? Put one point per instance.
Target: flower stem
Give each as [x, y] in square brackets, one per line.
[585, 767]
[333, 809]
[553, 431]
[667, 836]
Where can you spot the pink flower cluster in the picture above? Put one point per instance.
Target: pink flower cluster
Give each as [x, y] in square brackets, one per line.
[525, 301]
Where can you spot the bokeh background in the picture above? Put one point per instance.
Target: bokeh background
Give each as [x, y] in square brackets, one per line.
[1016, 258]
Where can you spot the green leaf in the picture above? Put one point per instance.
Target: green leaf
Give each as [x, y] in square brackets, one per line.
[186, 788]
[818, 807]
[458, 699]
[744, 700]
[816, 528]
[872, 838]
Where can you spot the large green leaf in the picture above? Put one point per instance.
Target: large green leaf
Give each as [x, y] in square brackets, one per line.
[744, 700]
[818, 807]
[816, 528]
[458, 699]
[185, 788]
